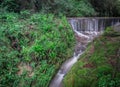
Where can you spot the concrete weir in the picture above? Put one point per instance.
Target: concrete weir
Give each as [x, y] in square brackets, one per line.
[93, 23]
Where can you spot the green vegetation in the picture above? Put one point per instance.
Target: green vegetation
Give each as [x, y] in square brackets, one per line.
[110, 32]
[99, 66]
[32, 48]
[66, 7]
[35, 38]
[106, 7]
[72, 8]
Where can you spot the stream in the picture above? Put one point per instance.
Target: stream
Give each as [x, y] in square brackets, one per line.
[85, 29]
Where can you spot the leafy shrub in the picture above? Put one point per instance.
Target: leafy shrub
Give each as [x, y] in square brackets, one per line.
[106, 7]
[66, 7]
[108, 81]
[73, 7]
[10, 5]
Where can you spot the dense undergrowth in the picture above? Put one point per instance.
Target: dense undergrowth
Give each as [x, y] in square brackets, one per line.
[69, 8]
[99, 66]
[66, 7]
[32, 48]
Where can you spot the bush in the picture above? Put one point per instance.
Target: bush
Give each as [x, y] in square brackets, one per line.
[106, 7]
[10, 5]
[66, 7]
[72, 8]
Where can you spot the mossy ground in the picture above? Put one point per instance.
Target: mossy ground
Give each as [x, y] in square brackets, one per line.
[99, 66]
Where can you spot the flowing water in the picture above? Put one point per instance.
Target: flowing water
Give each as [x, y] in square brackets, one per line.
[86, 29]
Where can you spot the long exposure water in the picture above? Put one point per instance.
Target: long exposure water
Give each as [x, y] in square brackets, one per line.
[86, 29]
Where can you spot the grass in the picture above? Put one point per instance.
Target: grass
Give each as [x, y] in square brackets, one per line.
[41, 42]
[99, 65]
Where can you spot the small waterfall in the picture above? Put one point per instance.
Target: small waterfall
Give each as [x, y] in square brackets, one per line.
[92, 24]
[86, 29]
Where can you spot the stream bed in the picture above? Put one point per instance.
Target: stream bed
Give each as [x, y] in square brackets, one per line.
[85, 31]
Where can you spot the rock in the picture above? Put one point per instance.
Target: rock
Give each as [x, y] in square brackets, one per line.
[117, 27]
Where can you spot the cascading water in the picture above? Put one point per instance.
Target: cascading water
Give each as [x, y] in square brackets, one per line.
[86, 29]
